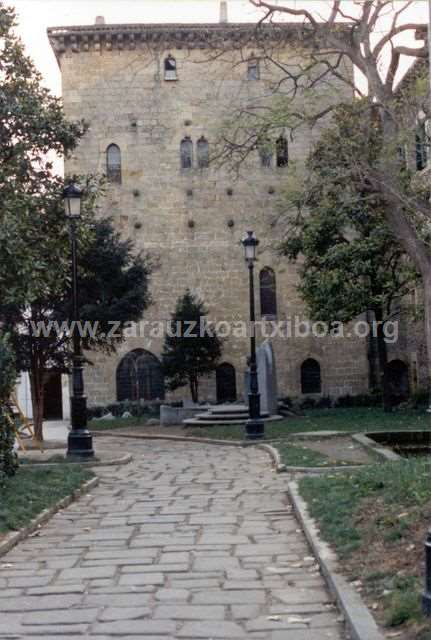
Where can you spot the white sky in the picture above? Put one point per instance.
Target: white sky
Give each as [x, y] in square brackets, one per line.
[35, 16]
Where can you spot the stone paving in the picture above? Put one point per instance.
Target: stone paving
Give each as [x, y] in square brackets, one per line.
[189, 541]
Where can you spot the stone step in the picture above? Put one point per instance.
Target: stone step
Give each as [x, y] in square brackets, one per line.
[196, 422]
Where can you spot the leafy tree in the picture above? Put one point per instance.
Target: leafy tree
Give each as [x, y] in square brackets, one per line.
[33, 128]
[8, 457]
[352, 262]
[113, 291]
[331, 40]
[191, 349]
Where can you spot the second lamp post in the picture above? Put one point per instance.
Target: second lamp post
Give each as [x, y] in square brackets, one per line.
[80, 441]
[255, 427]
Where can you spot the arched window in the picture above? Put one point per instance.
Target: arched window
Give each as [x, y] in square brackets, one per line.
[253, 69]
[226, 383]
[186, 151]
[113, 163]
[203, 153]
[282, 152]
[311, 381]
[140, 377]
[421, 147]
[170, 68]
[268, 294]
[266, 153]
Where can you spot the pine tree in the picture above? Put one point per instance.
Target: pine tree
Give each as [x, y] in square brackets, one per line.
[191, 349]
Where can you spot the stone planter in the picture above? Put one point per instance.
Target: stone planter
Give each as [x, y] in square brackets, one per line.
[175, 415]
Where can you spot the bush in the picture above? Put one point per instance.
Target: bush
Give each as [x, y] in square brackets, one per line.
[136, 408]
[360, 400]
[324, 403]
[8, 457]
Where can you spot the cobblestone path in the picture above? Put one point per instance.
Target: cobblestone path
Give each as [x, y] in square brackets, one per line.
[189, 541]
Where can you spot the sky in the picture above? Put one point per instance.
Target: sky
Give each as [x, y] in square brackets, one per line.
[35, 16]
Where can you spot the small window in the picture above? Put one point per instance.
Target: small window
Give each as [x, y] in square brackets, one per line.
[421, 147]
[113, 163]
[311, 381]
[282, 152]
[268, 294]
[253, 70]
[170, 68]
[266, 153]
[203, 153]
[186, 151]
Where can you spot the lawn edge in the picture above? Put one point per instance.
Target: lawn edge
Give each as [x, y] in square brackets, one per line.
[13, 538]
[124, 459]
[359, 620]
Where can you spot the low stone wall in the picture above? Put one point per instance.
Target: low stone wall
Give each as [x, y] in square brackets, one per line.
[175, 415]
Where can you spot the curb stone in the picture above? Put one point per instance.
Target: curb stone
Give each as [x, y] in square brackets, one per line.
[124, 459]
[12, 539]
[271, 450]
[359, 621]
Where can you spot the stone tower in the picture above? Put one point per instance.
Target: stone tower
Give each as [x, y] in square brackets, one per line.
[156, 97]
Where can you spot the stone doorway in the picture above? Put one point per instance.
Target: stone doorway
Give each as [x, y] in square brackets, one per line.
[226, 383]
[53, 396]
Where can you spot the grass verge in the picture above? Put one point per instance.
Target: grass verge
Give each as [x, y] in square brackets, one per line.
[118, 423]
[297, 456]
[343, 420]
[377, 519]
[30, 491]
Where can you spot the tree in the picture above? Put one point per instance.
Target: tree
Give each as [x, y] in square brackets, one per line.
[367, 36]
[8, 457]
[113, 291]
[191, 350]
[33, 129]
[351, 261]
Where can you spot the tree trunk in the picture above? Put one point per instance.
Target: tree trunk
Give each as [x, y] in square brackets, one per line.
[194, 389]
[383, 362]
[36, 382]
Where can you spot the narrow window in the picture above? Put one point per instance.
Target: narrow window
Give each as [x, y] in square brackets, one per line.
[170, 68]
[311, 381]
[282, 152]
[203, 153]
[113, 163]
[421, 147]
[186, 151]
[253, 70]
[268, 294]
[265, 152]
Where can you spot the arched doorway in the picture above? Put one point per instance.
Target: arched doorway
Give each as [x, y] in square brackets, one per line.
[140, 377]
[226, 383]
[398, 379]
[311, 379]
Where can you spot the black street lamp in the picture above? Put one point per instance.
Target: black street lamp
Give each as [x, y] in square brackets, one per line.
[255, 427]
[80, 440]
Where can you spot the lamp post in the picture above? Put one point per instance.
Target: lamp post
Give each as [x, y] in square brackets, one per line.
[80, 440]
[255, 427]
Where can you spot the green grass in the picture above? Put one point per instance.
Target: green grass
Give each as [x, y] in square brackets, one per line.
[118, 423]
[376, 519]
[30, 491]
[343, 420]
[295, 456]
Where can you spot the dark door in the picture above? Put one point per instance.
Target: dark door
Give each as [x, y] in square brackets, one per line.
[226, 383]
[53, 396]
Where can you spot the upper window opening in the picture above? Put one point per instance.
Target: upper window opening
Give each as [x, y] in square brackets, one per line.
[113, 163]
[171, 68]
[421, 147]
[268, 294]
[186, 151]
[203, 153]
[282, 152]
[253, 70]
[266, 153]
